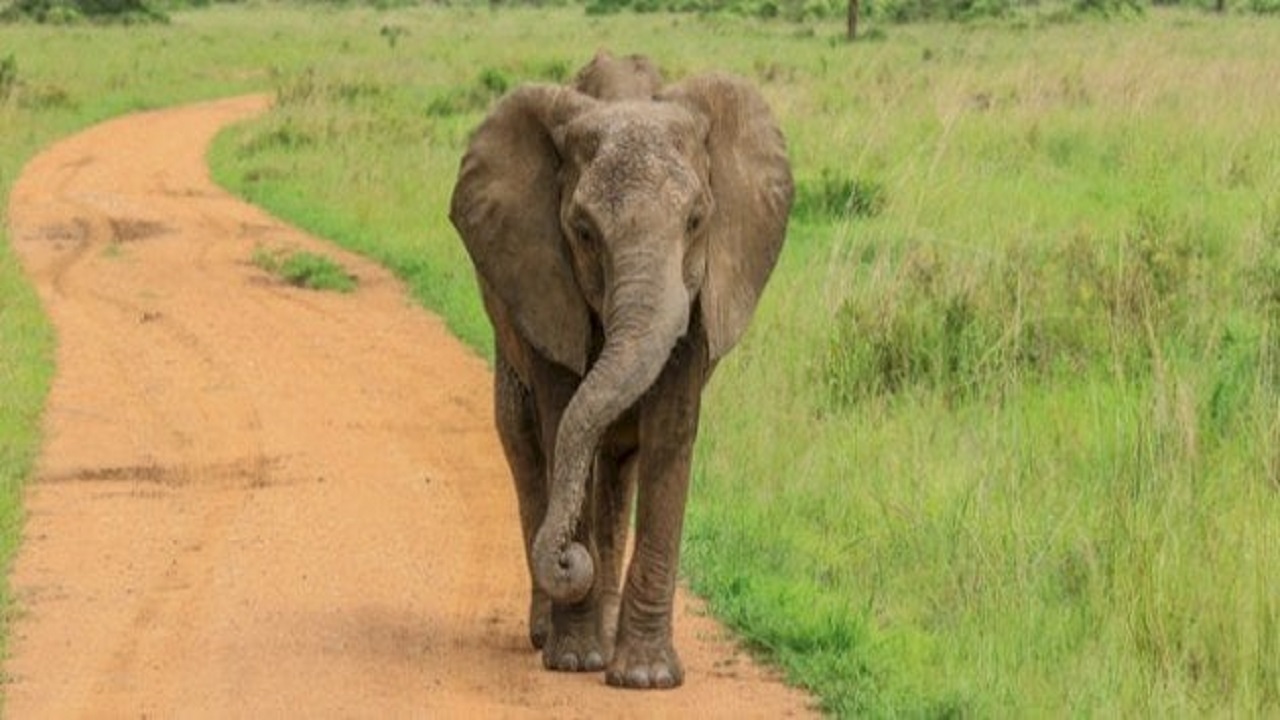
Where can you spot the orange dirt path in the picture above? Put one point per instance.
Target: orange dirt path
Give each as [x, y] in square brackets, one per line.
[259, 501]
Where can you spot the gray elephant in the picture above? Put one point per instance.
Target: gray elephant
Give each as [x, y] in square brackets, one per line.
[622, 231]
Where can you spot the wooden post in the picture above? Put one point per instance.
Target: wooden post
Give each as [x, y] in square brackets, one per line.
[853, 20]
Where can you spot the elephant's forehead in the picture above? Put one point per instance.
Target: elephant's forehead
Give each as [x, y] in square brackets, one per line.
[619, 180]
[643, 122]
[635, 155]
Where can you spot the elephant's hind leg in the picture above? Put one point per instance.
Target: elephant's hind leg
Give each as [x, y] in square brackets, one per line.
[517, 428]
[615, 489]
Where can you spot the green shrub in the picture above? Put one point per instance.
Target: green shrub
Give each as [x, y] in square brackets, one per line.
[62, 12]
[491, 84]
[1110, 8]
[930, 328]
[392, 34]
[833, 197]
[305, 269]
[8, 76]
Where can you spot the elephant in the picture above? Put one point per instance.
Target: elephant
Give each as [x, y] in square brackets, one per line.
[634, 77]
[622, 230]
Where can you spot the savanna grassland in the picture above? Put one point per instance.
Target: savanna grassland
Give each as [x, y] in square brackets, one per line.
[1002, 440]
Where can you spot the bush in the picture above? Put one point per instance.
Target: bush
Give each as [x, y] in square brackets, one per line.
[833, 197]
[1110, 8]
[8, 76]
[62, 12]
[491, 84]
[792, 10]
[931, 327]
[897, 11]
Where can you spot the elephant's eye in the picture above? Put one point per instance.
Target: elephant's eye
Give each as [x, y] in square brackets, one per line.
[693, 223]
[583, 231]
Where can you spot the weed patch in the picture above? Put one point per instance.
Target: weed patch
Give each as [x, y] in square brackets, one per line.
[305, 269]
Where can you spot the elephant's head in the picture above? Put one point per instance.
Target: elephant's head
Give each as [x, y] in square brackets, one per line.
[633, 77]
[589, 218]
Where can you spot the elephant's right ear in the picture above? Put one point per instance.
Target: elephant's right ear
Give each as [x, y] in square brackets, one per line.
[506, 207]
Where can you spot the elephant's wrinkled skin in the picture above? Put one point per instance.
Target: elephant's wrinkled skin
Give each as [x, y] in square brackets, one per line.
[622, 231]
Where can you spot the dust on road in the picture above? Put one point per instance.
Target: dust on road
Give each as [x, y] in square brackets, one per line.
[259, 501]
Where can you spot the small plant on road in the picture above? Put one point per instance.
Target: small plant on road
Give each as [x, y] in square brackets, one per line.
[305, 269]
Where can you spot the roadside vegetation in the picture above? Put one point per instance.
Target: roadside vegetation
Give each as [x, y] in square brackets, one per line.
[304, 269]
[1002, 438]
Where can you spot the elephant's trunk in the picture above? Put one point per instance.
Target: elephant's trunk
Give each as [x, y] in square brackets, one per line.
[644, 320]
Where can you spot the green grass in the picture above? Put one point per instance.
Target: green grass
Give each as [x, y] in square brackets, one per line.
[1025, 450]
[304, 269]
[1001, 440]
[26, 349]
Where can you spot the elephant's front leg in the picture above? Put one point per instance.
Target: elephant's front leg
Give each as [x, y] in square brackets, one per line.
[583, 633]
[575, 644]
[644, 656]
[528, 405]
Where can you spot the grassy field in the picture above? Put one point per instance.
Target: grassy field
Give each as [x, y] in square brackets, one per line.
[1002, 440]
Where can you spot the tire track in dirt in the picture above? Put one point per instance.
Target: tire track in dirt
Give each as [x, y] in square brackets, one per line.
[256, 501]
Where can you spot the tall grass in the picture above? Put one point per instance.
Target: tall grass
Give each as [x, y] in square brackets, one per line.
[1025, 453]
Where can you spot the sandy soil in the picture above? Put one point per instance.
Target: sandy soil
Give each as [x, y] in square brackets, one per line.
[259, 501]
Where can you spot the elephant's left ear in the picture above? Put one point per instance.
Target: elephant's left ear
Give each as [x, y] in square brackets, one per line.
[752, 187]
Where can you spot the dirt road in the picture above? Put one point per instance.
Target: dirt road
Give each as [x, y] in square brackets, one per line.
[258, 501]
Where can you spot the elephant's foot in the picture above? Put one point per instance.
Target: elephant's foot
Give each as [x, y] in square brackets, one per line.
[644, 665]
[574, 641]
[539, 619]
